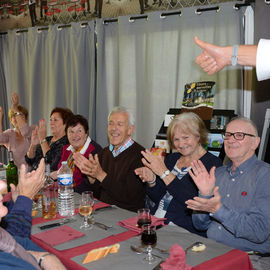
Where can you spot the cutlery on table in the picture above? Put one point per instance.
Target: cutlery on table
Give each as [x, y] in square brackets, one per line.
[138, 250]
[165, 251]
[57, 224]
[196, 244]
[103, 208]
[100, 225]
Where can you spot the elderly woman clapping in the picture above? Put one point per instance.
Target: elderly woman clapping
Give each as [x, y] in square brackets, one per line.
[80, 144]
[49, 147]
[169, 184]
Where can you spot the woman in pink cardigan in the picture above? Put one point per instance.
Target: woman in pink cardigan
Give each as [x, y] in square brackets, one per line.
[17, 139]
[77, 132]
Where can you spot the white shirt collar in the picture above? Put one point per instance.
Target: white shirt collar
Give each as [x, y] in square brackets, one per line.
[83, 150]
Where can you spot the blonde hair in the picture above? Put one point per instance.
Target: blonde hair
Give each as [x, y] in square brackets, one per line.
[187, 122]
[21, 109]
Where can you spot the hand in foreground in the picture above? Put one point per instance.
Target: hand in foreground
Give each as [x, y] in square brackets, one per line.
[145, 174]
[49, 262]
[153, 162]
[29, 183]
[213, 58]
[206, 205]
[204, 181]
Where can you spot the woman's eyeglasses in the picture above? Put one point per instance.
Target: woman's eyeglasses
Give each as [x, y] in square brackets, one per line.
[239, 136]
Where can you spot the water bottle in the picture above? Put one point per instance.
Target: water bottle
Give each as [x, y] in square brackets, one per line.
[11, 171]
[65, 190]
[48, 196]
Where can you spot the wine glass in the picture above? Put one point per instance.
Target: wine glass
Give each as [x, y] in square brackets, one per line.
[37, 201]
[143, 217]
[149, 239]
[85, 208]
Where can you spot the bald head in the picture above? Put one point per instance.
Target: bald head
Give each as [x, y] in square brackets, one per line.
[247, 123]
[240, 149]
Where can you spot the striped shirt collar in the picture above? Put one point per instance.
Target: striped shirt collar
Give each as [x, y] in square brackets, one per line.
[122, 148]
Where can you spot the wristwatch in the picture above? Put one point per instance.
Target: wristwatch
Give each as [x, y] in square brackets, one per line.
[166, 173]
[234, 55]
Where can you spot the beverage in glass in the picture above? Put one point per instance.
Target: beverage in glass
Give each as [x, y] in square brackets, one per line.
[149, 239]
[85, 209]
[48, 196]
[143, 217]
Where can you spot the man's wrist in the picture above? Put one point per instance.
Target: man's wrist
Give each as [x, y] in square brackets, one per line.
[234, 58]
[101, 176]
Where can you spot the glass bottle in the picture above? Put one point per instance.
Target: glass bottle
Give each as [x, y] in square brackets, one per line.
[11, 171]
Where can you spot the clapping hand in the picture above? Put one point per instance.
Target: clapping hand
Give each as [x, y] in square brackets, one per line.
[210, 205]
[42, 131]
[91, 167]
[204, 181]
[15, 101]
[1, 113]
[154, 163]
[82, 163]
[34, 137]
[29, 183]
[145, 174]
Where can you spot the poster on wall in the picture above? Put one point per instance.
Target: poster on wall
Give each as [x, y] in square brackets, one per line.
[199, 98]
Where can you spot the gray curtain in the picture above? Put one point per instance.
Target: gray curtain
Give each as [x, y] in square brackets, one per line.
[3, 104]
[53, 67]
[144, 65]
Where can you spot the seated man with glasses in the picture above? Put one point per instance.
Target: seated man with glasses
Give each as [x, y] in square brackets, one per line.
[234, 200]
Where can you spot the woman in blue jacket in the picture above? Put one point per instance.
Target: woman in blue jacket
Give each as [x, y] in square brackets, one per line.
[169, 183]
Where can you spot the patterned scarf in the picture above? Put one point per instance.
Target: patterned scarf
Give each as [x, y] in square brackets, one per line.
[9, 245]
[82, 150]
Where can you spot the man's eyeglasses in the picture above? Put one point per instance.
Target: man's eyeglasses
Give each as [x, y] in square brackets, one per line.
[239, 136]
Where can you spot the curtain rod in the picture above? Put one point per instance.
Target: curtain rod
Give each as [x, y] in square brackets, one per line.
[165, 14]
[199, 11]
[133, 18]
[247, 3]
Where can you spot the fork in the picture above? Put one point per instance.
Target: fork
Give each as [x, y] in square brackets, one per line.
[165, 251]
[100, 225]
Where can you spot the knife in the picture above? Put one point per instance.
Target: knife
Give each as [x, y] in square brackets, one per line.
[56, 224]
[103, 208]
[100, 225]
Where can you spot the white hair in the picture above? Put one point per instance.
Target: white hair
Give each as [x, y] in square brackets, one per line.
[122, 109]
[247, 120]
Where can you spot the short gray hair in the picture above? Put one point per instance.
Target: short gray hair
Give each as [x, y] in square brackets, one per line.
[244, 119]
[122, 109]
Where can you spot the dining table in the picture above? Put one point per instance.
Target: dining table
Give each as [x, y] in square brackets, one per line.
[72, 250]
